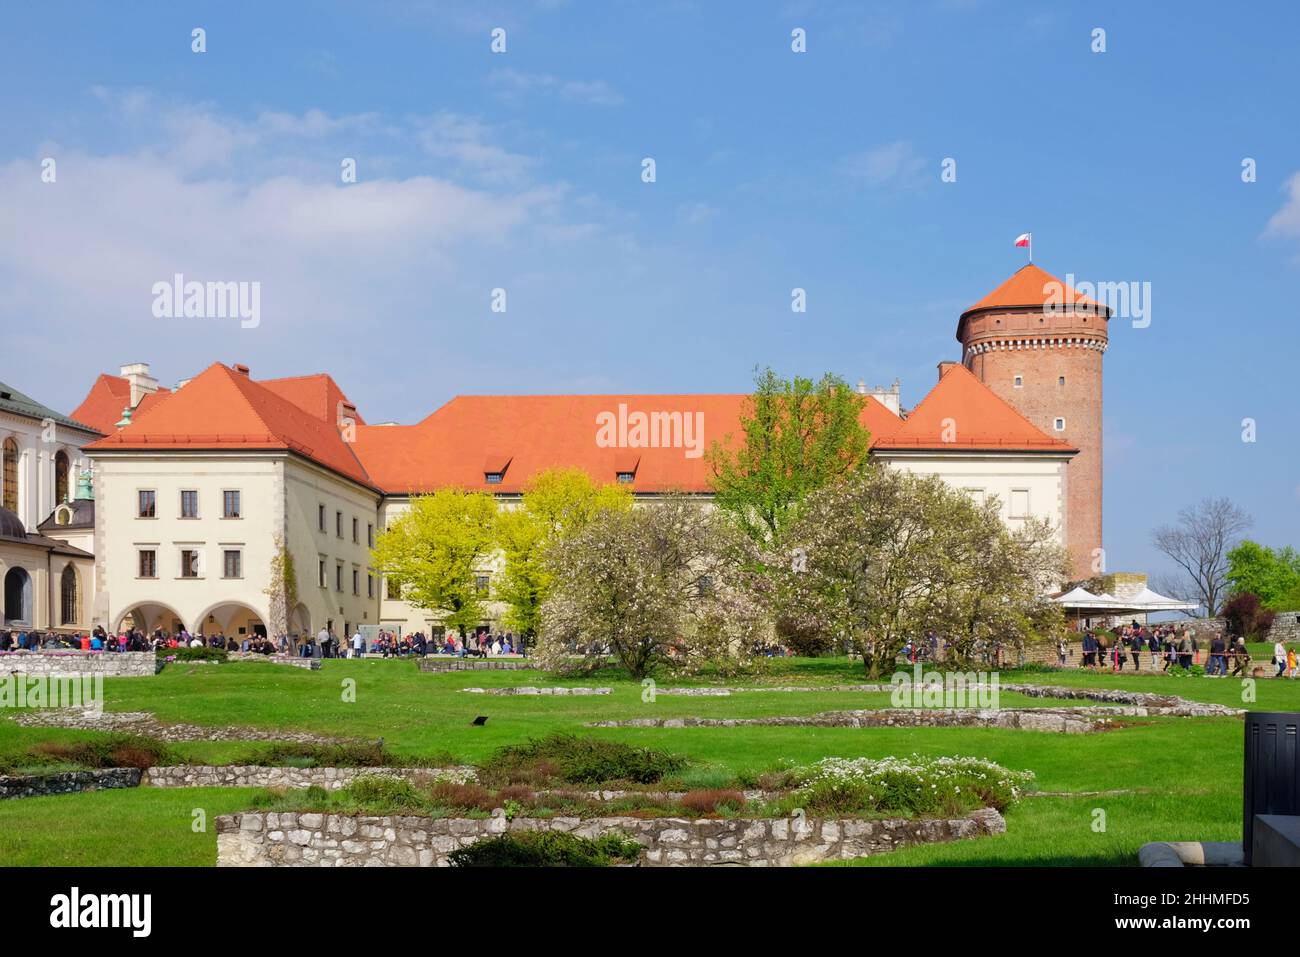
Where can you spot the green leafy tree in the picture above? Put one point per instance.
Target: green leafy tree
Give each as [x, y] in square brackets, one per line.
[555, 503]
[799, 435]
[434, 550]
[1271, 575]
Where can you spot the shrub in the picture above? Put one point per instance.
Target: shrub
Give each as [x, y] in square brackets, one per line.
[472, 797]
[383, 791]
[713, 801]
[1246, 615]
[917, 785]
[202, 653]
[546, 849]
[347, 754]
[115, 751]
[578, 760]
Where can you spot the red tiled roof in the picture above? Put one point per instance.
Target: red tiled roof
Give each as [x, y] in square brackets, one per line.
[518, 436]
[962, 413]
[234, 412]
[527, 434]
[1030, 286]
[102, 407]
[318, 394]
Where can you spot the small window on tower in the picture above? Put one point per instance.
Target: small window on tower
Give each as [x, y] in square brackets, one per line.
[1060, 380]
[1020, 381]
[1059, 424]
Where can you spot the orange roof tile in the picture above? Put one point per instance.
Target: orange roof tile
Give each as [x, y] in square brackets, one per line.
[318, 394]
[234, 412]
[103, 404]
[527, 434]
[962, 413]
[1030, 286]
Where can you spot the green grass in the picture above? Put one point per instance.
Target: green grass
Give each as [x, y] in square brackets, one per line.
[1181, 777]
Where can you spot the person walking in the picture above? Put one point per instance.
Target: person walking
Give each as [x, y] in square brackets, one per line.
[358, 644]
[1279, 657]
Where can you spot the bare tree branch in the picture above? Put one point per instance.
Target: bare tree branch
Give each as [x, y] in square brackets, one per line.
[1198, 544]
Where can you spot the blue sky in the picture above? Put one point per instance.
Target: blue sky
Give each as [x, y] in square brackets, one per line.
[775, 170]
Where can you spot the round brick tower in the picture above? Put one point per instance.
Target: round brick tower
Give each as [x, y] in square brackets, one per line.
[1038, 345]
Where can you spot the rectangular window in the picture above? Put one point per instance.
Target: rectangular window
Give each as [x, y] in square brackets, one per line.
[189, 503]
[370, 535]
[232, 564]
[320, 578]
[320, 516]
[370, 586]
[1019, 381]
[338, 577]
[1060, 380]
[230, 503]
[148, 503]
[338, 524]
[481, 584]
[356, 530]
[356, 582]
[148, 563]
[1019, 503]
[189, 563]
[493, 478]
[1059, 424]
[625, 478]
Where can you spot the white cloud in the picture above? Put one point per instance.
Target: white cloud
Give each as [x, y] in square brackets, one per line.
[889, 165]
[1286, 221]
[512, 83]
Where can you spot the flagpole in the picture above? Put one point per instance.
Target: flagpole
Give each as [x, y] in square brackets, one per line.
[1031, 248]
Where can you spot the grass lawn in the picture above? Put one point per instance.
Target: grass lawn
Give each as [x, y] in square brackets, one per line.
[1178, 779]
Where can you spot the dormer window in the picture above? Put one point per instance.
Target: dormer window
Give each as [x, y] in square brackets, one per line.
[625, 465]
[494, 467]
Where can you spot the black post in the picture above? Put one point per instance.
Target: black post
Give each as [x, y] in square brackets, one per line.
[1271, 776]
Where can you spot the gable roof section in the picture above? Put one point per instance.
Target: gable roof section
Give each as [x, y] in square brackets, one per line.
[980, 421]
[19, 403]
[234, 412]
[102, 407]
[318, 394]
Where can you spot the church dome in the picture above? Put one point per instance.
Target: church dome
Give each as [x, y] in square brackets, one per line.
[11, 526]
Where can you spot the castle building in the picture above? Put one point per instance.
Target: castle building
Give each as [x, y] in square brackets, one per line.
[198, 487]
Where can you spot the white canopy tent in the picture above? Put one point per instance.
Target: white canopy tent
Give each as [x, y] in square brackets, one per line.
[1081, 600]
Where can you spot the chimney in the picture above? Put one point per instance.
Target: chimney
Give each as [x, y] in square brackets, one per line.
[943, 367]
[141, 382]
[888, 397]
[862, 387]
[241, 369]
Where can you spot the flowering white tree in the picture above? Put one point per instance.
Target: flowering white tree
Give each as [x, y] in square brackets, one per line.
[664, 585]
[886, 556]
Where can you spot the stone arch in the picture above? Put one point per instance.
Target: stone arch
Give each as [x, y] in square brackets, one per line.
[228, 617]
[147, 616]
[300, 621]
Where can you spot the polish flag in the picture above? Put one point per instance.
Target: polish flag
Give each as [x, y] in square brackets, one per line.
[1023, 239]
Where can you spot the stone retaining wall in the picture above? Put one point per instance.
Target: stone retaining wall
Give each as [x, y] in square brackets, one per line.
[112, 664]
[526, 690]
[450, 663]
[335, 840]
[293, 661]
[67, 782]
[251, 776]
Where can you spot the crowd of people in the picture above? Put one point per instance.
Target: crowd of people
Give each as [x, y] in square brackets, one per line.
[483, 643]
[1172, 646]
